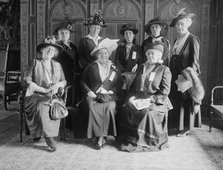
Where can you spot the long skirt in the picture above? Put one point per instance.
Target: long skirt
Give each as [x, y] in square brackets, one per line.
[37, 116]
[142, 130]
[101, 120]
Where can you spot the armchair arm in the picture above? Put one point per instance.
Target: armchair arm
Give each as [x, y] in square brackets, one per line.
[65, 93]
[212, 93]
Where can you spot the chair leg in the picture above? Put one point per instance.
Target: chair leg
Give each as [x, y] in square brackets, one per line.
[199, 118]
[210, 120]
[21, 126]
[63, 129]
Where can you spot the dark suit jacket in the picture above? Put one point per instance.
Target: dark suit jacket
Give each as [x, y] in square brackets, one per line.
[69, 61]
[86, 46]
[159, 87]
[91, 80]
[120, 57]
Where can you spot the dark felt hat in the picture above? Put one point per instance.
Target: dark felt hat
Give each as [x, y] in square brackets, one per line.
[96, 19]
[130, 27]
[49, 41]
[155, 21]
[64, 25]
[181, 16]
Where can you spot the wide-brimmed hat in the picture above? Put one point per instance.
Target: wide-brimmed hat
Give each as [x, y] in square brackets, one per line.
[96, 19]
[130, 27]
[64, 25]
[155, 21]
[180, 16]
[109, 44]
[49, 41]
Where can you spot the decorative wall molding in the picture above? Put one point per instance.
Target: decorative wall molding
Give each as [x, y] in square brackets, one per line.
[60, 9]
[168, 9]
[24, 6]
[121, 10]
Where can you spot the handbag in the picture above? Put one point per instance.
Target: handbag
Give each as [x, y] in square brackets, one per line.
[58, 108]
[104, 98]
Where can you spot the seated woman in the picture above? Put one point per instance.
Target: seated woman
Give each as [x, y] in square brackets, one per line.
[43, 77]
[101, 82]
[143, 122]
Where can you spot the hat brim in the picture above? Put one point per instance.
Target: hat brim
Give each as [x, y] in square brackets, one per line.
[109, 44]
[179, 17]
[135, 31]
[147, 27]
[43, 45]
[89, 24]
[63, 28]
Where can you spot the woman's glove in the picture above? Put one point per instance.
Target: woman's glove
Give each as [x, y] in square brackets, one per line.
[91, 94]
[134, 68]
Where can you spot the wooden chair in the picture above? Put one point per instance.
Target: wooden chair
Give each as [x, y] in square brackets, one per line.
[10, 74]
[22, 121]
[215, 107]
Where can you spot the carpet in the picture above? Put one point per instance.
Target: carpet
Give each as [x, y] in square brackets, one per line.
[199, 151]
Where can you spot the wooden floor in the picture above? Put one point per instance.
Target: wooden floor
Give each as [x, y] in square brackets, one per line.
[200, 150]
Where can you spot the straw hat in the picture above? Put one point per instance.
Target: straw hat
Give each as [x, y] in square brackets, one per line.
[130, 27]
[109, 44]
[49, 41]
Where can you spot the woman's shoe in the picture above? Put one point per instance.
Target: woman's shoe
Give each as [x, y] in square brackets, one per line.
[35, 140]
[51, 143]
[99, 143]
[183, 133]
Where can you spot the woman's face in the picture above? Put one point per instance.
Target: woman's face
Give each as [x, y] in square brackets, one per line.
[48, 52]
[95, 30]
[129, 35]
[183, 25]
[153, 56]
[156, 29]
[103, 56]
[64, 35]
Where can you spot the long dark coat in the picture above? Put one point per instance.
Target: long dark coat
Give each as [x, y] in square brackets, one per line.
[188, 57]
[147, 127]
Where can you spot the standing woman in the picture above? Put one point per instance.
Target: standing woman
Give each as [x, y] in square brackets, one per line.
[101, 82]
[43, 77]
[128, 57]
[156, 30]
[185, 53]
[69, 61]
[89, 42]
[69, 57]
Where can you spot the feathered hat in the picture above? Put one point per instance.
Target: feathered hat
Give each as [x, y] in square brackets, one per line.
[96, 19]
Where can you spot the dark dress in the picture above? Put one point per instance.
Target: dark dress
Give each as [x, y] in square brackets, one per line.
[146, 129]
[69, 62]
[166, 52]
[188, 57]
[36, 105]
[101, 116]
[86, 46]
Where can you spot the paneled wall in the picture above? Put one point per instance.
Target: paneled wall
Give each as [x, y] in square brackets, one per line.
[38, 19]
[215, 58]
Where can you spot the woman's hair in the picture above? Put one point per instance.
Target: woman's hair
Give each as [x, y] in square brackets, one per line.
[41, 51]
[158, 55]
[109, 53]
[187, 21]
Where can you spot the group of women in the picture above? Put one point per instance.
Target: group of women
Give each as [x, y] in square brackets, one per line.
[126, 98]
